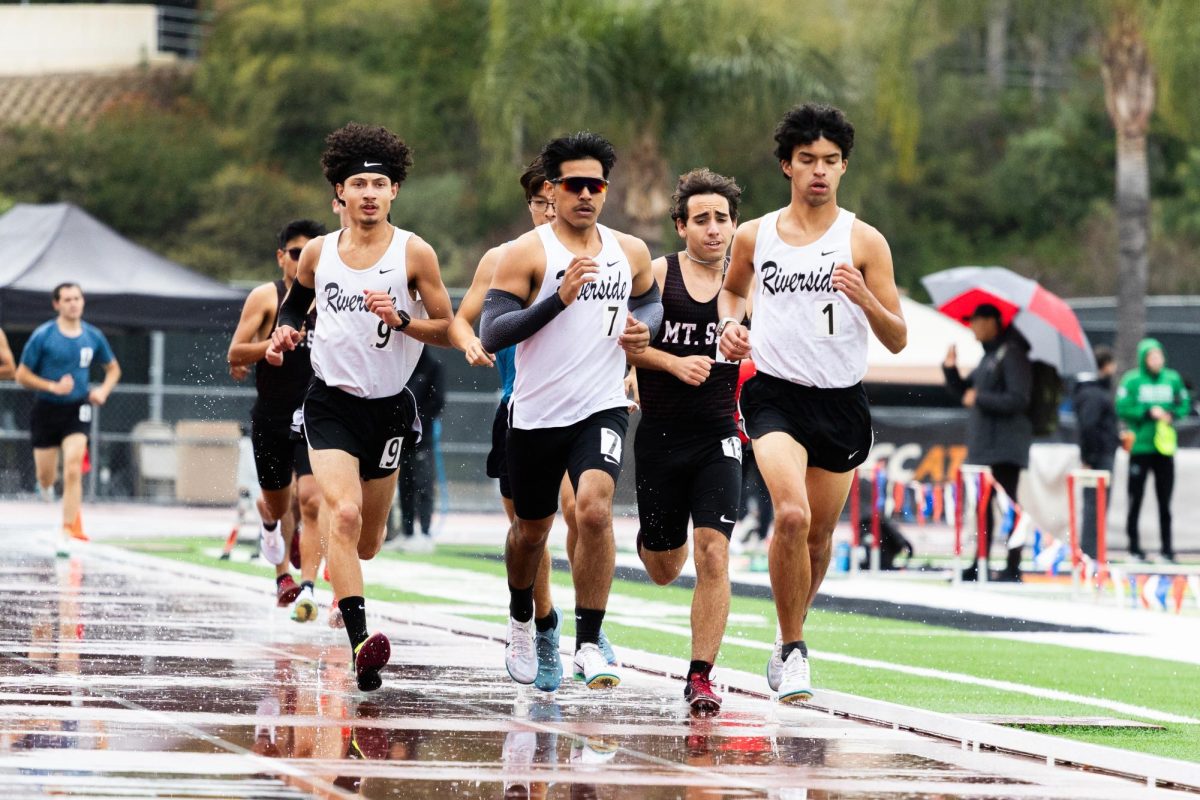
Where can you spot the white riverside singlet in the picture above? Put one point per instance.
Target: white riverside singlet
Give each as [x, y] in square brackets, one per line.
[573, 367]
[354, 350]
[803, 331]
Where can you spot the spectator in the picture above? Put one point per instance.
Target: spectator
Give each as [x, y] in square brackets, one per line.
[417, 467]
[1149, 399]
[1096, 419]
[999, 430]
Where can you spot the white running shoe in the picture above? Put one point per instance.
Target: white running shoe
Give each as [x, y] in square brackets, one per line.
[593, 668]
[520, 657]
[305, 607]
[775, 664]
[46, 493]
[270, 544]
[796, 686]
[517, 754]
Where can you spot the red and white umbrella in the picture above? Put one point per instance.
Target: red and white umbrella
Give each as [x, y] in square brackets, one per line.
[1042, 317]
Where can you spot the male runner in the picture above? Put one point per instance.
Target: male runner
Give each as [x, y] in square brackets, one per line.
[547, 619]
[56, 363]
[824, 279]
[687, 451]
[576, 296]
[357, 413]
[277, 455]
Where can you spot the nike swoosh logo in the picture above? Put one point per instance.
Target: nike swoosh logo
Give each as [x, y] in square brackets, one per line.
[372, 163]
[560, 274]
[614, 263]
[727, 521]
[852, 455]
[831, 252]
[386, 271]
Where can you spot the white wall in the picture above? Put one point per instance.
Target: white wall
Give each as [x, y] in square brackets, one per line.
[48, 39]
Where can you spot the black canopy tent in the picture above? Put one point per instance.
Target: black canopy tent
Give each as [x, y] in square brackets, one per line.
[126, 285]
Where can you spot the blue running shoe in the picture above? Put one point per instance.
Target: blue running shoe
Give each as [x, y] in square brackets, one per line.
[606, 649]
[549, 660]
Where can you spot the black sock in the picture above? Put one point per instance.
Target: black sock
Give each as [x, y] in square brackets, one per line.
[354, 614]
[587, 625]
[547, 622]
[788, 647]
[699, 668]
[306, 585]
[520, 603]
[272, 526]
[279, 578]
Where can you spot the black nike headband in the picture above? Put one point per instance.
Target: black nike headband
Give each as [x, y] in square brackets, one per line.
[367, 165]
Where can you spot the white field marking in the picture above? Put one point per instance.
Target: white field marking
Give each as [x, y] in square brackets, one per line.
[635, 612]
[957, 677]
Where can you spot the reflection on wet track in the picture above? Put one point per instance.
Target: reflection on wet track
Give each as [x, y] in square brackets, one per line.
[119, 679]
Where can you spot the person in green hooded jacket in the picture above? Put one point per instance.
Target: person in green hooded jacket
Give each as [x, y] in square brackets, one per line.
[1149, 400]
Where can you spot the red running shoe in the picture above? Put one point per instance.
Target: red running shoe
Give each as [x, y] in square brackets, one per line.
[698, 691]
[287, 590]
[371, 655]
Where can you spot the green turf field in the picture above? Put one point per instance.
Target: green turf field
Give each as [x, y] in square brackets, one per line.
[1150, 683]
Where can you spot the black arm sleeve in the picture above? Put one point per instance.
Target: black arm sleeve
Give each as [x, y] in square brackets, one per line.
[295, 306]
[505, 322]
[648, 308]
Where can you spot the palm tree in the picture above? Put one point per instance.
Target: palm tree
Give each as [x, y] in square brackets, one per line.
[663, 79]
[1129, 95]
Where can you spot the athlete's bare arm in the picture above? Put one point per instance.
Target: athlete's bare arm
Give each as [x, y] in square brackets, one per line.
[692, 370]
[520, 268]
[252, 336]
[31, 380]
[426, 278]
[871, 285]
[462, 327]
[733, 299]
[8, 367]
[636, 336]
[286, 337]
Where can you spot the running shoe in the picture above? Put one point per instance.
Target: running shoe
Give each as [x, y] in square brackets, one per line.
[775, 665]
[75, 529]
[294, 550]
[46, 493]
[305, 609]
[520, 657]
[371, 655]
[592, 751]
[517, 755]
[699, 693]
[335, 616]
[550, 670]
[271, 544]
[286, 591]
[606, 648]
[593, 669]
[796, 685]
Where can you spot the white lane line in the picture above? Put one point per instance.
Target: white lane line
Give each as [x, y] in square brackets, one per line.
[444, 582]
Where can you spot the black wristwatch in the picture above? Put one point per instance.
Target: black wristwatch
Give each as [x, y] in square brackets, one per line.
[405, 319]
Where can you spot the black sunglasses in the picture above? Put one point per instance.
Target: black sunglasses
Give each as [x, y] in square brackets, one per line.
[575, 184]
[294, 253]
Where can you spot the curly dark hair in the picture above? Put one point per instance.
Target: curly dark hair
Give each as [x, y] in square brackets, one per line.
[582, 144]
[532, 178]
[703, 181]
[354, 144]
[806, 123]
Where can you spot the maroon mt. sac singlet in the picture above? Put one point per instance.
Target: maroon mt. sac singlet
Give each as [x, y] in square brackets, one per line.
[689, 328]
[281, 389]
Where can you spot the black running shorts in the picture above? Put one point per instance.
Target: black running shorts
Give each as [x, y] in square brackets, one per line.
[277, 452]
[833, 425]
[50, 423]
[497, 458]
[537, 458]
[682, 475]
[373, 430]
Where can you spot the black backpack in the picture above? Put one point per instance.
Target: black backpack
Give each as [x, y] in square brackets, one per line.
[1044, 399]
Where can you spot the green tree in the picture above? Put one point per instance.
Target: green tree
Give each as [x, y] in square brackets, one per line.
[642, 74]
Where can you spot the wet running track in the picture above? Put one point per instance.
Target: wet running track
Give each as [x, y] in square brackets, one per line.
[123, 676]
